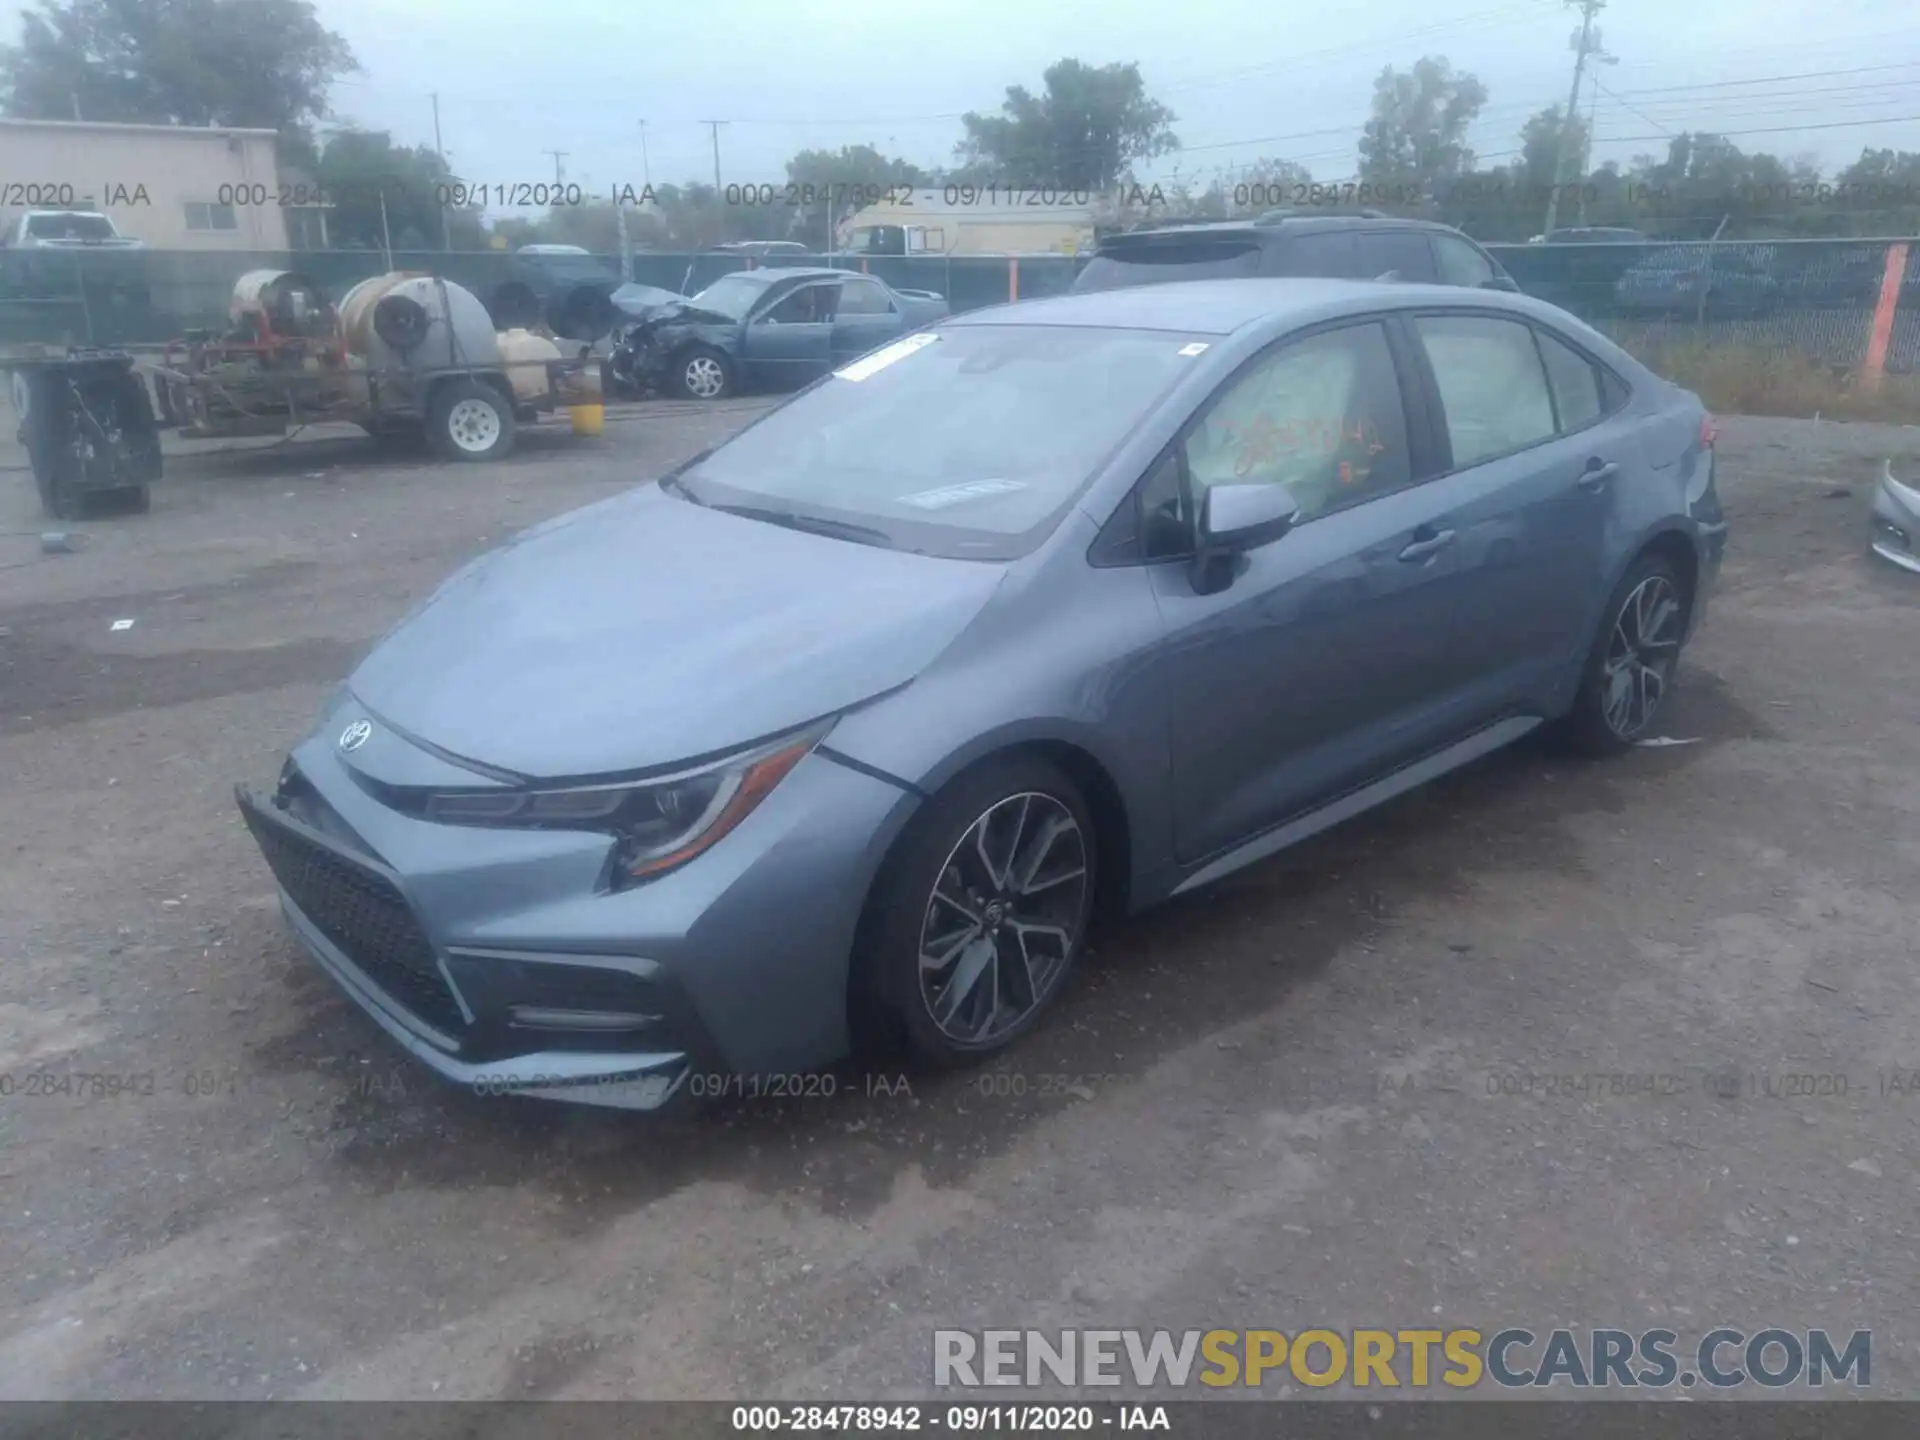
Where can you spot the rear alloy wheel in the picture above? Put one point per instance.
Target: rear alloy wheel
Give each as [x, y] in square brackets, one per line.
[470, 421]
[1632, 668]
[986, 911]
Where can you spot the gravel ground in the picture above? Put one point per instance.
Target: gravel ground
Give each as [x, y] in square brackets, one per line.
[1276, 1104]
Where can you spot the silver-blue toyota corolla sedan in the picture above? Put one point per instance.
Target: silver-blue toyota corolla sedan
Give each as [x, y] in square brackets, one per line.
[850, 727]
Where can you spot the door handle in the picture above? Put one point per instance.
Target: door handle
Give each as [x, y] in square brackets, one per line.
[1598, 474]
[1431, 543]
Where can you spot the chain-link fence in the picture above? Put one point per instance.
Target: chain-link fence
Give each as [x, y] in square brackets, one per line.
[1818, 298]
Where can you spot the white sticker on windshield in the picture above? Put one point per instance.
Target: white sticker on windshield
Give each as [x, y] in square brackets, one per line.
[886, 355]
[1193, 349]
[959, 494]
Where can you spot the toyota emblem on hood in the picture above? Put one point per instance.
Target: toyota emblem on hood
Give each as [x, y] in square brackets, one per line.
[355, 735]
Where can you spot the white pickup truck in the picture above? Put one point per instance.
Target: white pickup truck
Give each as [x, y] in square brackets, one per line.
[66, 230]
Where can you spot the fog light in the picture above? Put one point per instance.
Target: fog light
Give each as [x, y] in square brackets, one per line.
[542, 1017]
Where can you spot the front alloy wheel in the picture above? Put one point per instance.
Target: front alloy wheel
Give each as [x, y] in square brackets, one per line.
[979, 915]
[1004, 919]
[703, 376]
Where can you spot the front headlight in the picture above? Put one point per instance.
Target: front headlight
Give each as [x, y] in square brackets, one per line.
[660, 823]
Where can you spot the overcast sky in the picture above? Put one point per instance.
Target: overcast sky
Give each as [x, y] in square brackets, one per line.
[1247, 78]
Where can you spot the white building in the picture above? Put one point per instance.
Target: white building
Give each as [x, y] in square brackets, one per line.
[973, 220]
[176, 187]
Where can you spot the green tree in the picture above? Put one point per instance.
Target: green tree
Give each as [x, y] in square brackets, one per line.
[1416, 136]
[832, 184]
[1882, 191]
[1266, 184]
[253, 63]
[1083, 132]
[363, 169]
[1539, 160]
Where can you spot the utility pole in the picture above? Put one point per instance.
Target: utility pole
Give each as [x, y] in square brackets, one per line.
[1582, 47]
[1600, 56]
[559, 171]
[719, 210]
[446, 235]
[646, 169]
[714, 126]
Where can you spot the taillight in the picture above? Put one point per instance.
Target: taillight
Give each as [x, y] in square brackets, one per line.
[1709, 430]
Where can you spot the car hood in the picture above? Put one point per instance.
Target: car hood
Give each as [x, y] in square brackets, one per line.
[636, 301]
[647, 630]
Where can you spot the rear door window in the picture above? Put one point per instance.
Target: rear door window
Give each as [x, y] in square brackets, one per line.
[1575, 381]
[862, 297]
[1327, 254]
[1460, 263]
[1402, 254]
[1493, 387]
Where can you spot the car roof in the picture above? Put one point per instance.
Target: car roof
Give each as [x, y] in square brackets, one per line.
[1219, 307]
[1284, 225]
[766, 275]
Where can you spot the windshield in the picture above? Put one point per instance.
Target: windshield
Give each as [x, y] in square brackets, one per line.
[731, 295]
[966, 441]
[71, 227]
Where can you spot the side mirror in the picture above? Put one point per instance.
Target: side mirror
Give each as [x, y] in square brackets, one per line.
[1233, 520]
[1503, 282]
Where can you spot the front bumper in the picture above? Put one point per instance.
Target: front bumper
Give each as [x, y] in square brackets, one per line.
[502, 959]
[1896, 521]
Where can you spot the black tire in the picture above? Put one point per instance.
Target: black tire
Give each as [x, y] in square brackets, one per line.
[40, 431]
[136, 499]
[701, 372]
[458, 423]
[514, 305]
[1593, 726]
[894, 1011]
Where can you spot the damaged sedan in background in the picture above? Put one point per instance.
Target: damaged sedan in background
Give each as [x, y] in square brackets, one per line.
[773, 329]
[1896, 520]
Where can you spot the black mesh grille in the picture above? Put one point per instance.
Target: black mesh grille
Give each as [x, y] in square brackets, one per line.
[361, 912]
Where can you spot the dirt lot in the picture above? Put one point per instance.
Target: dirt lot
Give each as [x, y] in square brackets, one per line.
[1282, 1103]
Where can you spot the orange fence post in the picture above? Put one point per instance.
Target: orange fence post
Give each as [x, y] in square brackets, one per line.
[1874, 368]
[1013, 278]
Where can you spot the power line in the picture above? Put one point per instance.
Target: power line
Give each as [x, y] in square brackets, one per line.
[1396, 37]
[1771, 79]
[1603, 90]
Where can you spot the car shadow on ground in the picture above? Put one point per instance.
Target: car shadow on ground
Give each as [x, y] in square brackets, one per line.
[1150, 986]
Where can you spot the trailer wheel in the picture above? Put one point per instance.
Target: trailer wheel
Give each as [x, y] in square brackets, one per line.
[470, 421]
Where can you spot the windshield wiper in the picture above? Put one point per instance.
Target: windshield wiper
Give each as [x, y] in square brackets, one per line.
[838, 529]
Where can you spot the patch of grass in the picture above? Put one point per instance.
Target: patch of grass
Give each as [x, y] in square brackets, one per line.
[1762, 380]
